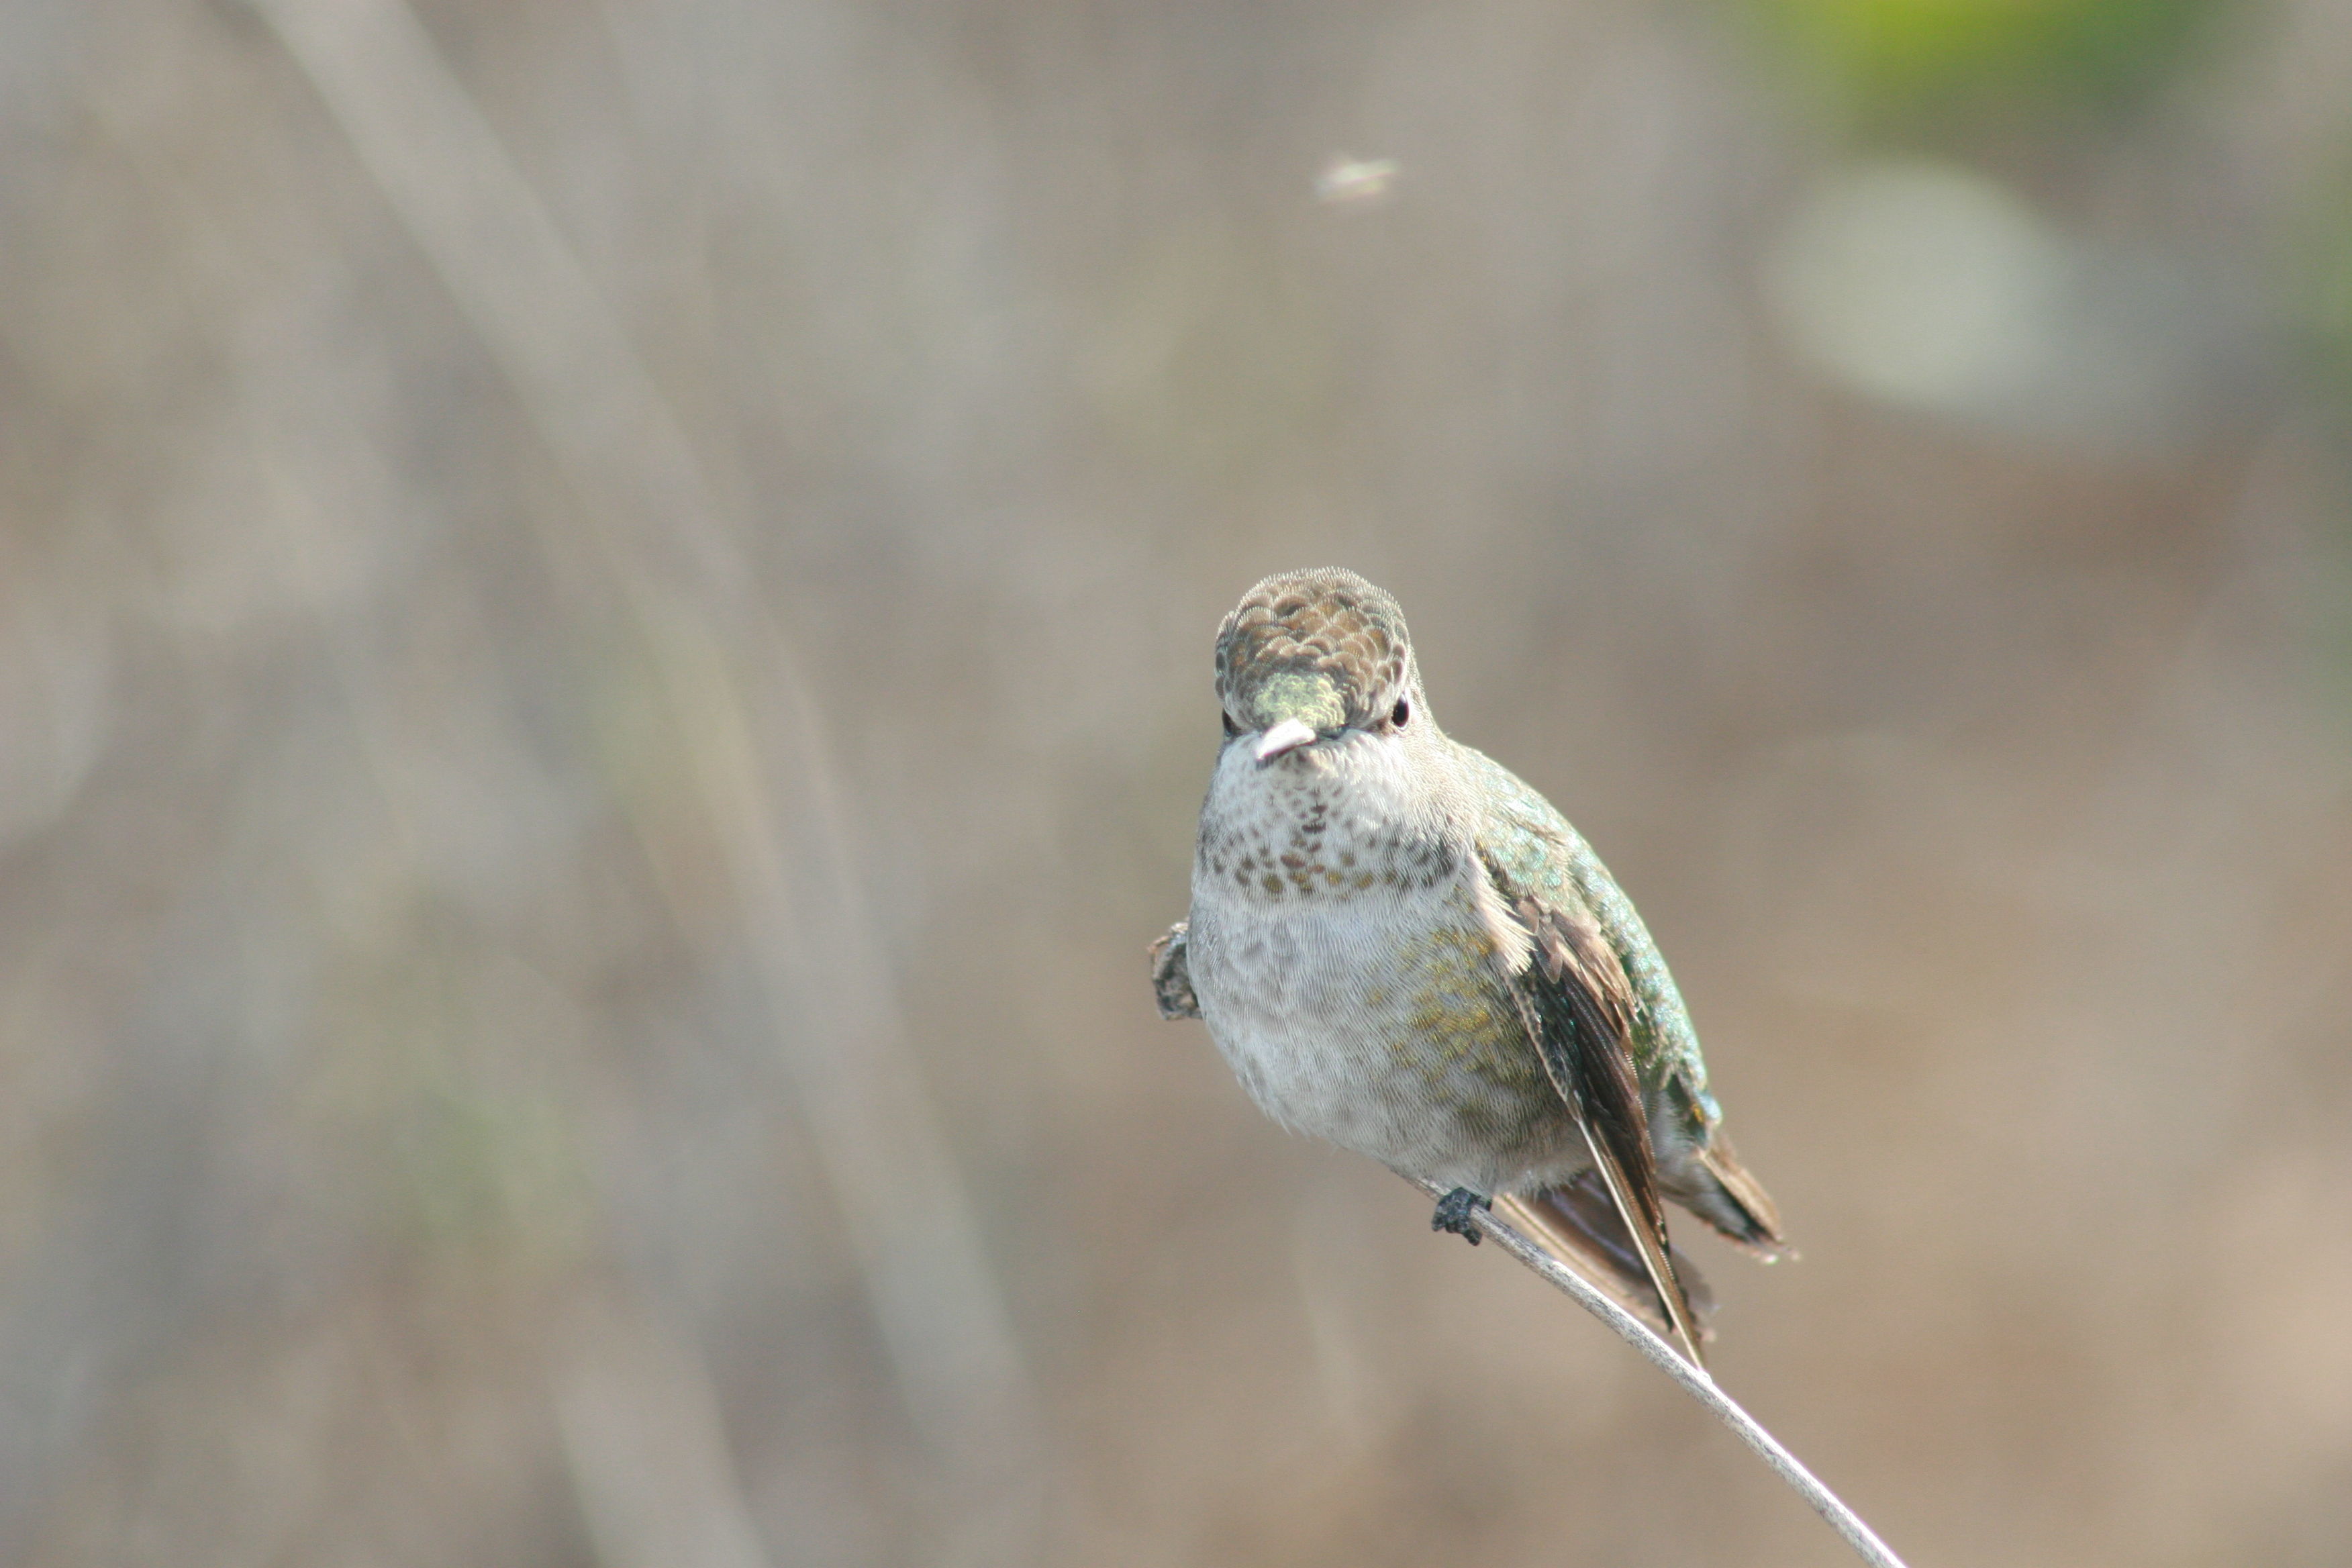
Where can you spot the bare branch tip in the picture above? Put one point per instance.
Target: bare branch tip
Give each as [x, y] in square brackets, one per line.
[1695, 1380]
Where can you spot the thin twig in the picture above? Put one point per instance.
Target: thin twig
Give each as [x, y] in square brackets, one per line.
[1695, 1381]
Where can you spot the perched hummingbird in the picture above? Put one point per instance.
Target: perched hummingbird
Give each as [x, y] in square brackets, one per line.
[1401, 948]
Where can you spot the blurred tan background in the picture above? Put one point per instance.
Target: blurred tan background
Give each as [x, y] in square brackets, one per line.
[604, 674]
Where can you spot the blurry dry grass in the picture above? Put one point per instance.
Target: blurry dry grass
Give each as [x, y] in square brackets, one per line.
[528, 755]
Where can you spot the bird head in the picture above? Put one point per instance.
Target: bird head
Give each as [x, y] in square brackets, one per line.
[1309, 658]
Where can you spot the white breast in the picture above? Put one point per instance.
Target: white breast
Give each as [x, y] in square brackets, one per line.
[1315, 873]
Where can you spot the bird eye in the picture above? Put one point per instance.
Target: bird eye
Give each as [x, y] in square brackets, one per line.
[1400, 714]
[1230, 728]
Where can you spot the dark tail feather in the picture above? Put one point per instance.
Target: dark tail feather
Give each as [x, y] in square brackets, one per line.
[1579, 1020]
[1735, 1203]
[1607, 1097]
[1579, 1225]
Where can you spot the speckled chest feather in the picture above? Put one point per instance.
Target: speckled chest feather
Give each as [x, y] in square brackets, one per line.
[1352, 968]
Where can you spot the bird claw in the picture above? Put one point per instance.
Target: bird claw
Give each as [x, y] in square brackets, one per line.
[1454, 1212]
[1172, 975]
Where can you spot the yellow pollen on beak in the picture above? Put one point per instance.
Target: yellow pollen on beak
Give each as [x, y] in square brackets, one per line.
[1307, 695]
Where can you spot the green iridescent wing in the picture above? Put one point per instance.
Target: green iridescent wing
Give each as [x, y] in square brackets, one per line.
[1532, 851]
[1577, 1006]
[1537, 849]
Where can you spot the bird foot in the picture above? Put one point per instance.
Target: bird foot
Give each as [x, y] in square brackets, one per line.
[1171, 974]
[1453, 1212]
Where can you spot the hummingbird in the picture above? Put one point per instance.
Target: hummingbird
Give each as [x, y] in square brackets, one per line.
[1401, 948]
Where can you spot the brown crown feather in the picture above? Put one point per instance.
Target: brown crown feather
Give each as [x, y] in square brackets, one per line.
[1328, 620]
